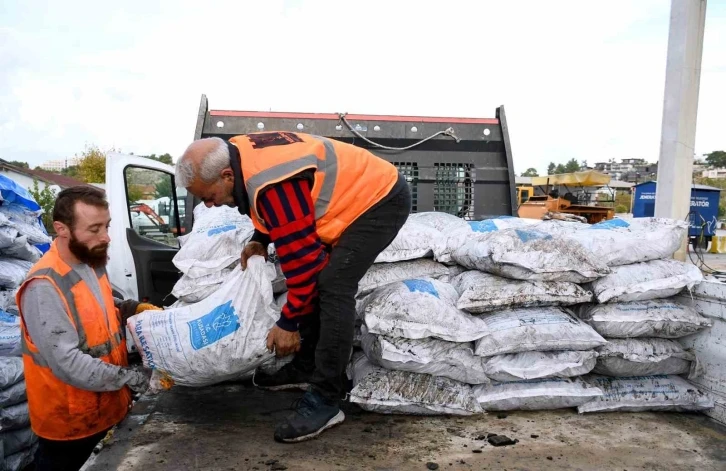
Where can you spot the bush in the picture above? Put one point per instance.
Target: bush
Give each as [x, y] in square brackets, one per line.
[621, 208]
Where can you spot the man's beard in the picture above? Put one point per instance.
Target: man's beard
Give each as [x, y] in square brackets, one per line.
[95, 257]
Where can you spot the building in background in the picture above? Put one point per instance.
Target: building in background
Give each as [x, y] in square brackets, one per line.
[24, 177]
[716, 173]
[629, 170]
[59, 164]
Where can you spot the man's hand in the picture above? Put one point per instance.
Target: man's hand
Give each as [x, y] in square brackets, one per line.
[139, 382]
[252, 248]
[282, 342]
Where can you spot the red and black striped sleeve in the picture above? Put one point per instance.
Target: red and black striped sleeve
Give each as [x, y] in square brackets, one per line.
[289, 214]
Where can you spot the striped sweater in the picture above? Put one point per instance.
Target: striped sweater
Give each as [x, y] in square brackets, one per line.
[289, 214]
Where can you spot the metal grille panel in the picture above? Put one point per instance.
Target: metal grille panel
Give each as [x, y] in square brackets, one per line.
[454, 189]
[410, 171]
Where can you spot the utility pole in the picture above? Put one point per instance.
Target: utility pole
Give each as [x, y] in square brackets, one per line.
[680, 109]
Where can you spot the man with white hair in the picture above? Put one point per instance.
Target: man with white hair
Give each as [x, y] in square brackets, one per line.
[330, 208]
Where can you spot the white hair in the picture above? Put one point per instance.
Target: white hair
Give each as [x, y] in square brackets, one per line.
[209, 168]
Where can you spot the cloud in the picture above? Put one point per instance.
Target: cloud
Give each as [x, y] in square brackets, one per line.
[578, 79]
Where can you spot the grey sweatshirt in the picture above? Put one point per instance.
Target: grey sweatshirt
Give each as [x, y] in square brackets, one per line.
[57, 340]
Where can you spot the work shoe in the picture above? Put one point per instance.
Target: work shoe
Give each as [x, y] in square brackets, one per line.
[289, 376]
[313, 414]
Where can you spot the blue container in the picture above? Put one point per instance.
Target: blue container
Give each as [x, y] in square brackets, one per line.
[704, 207]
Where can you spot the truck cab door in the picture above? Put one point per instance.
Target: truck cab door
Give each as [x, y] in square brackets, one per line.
[147, 217]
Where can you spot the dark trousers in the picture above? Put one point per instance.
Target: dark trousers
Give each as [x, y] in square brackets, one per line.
[65, 455]
[327, 335]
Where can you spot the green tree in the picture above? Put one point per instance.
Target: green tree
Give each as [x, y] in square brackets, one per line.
[71, 171]
[163, 188]
[716, 158]
[135, 193]
[163, 158]
[551, 168]
[530, 172]
[20, 164]
[560, 169]
[572, 165]
[92, 166]
[46, 199]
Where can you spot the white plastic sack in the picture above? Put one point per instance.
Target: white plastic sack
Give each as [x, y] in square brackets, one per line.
[7, 301]
[429, 356]
[22, 250]
[11, 371]
[381, 274]
[220, 338]
[12, 395]
[535, 329]
[20, 460]
[645, 393]
[664, 318]
[13, 272]
[14, 417]
[376, 389]
[528, 254]
[454, 238]
[442, 222]
[618, 242]
[10, 334]
[414, 240]
[192, 290]
[215, 242]
[26, 222]
[647, 280]
[483, 292]
[538, 394]
[538, 365]
[17, 440]
[7, 236]
[644, 357]
[420, 308]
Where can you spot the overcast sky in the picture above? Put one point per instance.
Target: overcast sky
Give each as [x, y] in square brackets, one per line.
[580, 79]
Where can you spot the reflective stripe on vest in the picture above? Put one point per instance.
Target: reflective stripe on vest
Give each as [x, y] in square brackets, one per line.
[66, 283]
[328, 167]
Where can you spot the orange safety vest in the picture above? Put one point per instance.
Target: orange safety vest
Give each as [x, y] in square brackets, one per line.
[348, 180]
[59, 411]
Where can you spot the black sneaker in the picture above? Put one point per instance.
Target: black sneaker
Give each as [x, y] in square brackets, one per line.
[289, 376]
[312, 415]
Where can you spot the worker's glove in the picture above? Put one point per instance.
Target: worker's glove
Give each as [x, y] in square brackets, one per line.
[127, 309]
[139, 381]
[252, 248]
[141, 307]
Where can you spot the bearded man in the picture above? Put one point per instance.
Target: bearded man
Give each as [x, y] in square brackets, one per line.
[74, 352]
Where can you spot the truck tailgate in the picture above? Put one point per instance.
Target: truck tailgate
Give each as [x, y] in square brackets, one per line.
[230, 427]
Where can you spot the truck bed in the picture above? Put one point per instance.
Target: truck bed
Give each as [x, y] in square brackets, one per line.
[230, 426]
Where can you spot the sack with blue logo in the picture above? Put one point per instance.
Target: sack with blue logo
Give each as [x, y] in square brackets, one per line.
[215, 242]
[220, 338]
[530, 254]
[418, 309]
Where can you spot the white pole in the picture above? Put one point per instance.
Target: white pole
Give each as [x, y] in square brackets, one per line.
[680, 108]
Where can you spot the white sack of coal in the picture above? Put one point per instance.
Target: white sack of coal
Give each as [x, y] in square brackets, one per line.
[382, 274]
[645, 357]
[454, 238]
[442, 222]
[483, 292]
[648, 280]
[538, 394]
[663, 318]
[529, 254]
[414, 240]
[538, 365]
[429, 356]
[419, 308]
[645, 393]
[619, 242]
[535, 329]
[377, 389]
[220, 338]
[215, 242]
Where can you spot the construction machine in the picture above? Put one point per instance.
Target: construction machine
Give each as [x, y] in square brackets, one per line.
[550, 205]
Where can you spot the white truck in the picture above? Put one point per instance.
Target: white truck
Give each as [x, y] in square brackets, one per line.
[229, 426]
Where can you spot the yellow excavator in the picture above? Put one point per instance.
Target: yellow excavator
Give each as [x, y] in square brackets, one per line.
[551, 205]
